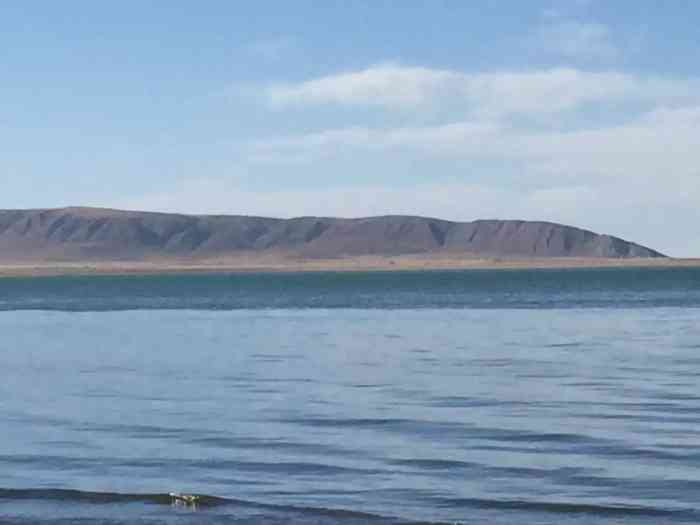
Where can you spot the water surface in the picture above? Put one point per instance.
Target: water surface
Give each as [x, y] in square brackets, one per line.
[439, 397]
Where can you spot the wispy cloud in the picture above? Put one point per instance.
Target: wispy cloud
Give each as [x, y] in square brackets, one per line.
[660, 140]
[397, 87]
[568, 30]
[388, 85]
[577, 40]
[474, 139]
[273, 48]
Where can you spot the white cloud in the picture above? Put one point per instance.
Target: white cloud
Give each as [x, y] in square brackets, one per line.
[567, 31]
[575, 39]
[638, 178]
[486, 95]
[466, 138]
[272, 49]
[662, 139]
[386, 85]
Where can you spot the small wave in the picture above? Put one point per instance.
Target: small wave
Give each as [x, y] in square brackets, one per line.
[207, 501]
[79, 496]
[458, 468]
[571, 344]
[474, 402]
[564, 507]
[203, 502]
[347, 422]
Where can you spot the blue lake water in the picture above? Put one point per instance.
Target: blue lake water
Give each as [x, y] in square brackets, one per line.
[540, 397]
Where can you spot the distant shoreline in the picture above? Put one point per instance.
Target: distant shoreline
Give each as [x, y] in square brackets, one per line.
[347, 264]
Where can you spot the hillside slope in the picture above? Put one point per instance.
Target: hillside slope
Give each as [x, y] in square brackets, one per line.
[91, 233]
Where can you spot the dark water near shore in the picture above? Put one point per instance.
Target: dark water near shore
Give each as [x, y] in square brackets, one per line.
[540, 397]
[585, 288]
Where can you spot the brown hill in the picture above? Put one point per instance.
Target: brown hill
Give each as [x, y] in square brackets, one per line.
[102, 234]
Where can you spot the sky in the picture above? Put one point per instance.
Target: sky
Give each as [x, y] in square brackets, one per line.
[584, 112]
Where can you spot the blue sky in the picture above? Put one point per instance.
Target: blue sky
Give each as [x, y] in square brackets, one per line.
[584, 112]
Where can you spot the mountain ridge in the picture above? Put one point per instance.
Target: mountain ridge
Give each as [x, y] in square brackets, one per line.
[76, 233]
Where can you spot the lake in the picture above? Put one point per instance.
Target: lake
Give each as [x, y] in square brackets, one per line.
[524, 396]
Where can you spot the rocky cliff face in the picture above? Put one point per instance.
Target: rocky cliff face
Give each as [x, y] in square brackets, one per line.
[89, 233]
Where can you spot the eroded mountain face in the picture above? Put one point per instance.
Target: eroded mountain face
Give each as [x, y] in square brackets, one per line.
[79, 233]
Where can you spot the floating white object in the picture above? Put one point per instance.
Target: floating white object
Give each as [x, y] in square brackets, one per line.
[187, 500]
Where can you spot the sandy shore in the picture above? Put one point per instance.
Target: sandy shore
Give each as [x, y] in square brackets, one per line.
[349, 264]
